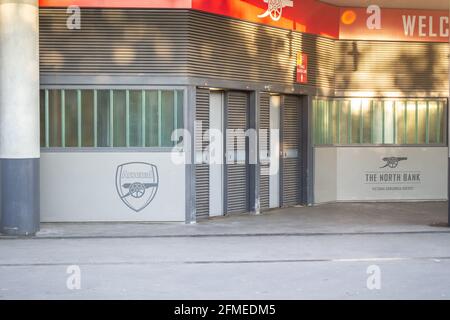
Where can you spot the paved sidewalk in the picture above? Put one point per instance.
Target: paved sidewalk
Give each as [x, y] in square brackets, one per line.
[336, 218]
[323, 252]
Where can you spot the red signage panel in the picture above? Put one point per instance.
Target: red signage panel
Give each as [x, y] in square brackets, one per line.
[302, 68]
[394, 24]
[157, 4]
[310, 16]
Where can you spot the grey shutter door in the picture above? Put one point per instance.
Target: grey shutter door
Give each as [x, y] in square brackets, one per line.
[236, 153]
[290, 128]
[201, 167]
[264, 126]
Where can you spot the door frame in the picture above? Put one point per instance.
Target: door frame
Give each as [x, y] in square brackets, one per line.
[223, 156]
[304, 148]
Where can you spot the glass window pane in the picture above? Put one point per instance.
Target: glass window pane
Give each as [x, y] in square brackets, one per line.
[180, 109]
[327, 120]
[42, 117]
[411, 129]
[400, 115]
[356, 120]
[71, 118]
[151, 118]
[432, 121]
[377, 114]
[334, 122]
[442, 122]
[422, 121]
[135, 129]
[55, 118]
[87, 118]
[103, 119]
[389, 123]
[344, 123]
[167, 122]
[119, 118]
[316, 121]
[367, 120]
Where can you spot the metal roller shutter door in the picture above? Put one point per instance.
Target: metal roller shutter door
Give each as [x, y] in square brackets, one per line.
[236, 172]
[291, 145]
[264, 124]
[201, 169]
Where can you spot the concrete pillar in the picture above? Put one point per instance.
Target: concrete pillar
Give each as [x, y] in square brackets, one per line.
[19, 117]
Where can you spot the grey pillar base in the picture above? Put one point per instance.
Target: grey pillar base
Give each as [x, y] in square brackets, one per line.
[19, 197]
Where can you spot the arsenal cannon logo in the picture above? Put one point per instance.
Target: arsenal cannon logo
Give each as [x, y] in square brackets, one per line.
[137, 184]
[392, 162]
[275, 8]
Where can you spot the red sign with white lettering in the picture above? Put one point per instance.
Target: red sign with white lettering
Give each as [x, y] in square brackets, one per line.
[394, 24]
[310, 16]
[302, 68]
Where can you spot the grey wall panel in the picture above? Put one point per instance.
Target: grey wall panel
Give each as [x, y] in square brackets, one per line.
[236, 171]
[264, 124]
[381, 66]
[202, 169]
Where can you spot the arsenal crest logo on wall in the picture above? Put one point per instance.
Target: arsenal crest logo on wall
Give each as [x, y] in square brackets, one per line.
[275, 8]
[137, 184]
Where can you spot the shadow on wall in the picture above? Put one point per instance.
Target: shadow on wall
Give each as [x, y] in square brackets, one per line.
[234, 50]
[321, 64]
[425, 72]
[407, 68]
[112, 41]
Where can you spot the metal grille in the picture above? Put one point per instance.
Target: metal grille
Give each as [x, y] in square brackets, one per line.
[264, 124]
[236, 172]
[201, 169]
[291, 143]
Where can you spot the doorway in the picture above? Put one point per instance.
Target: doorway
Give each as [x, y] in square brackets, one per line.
[274, 162]
[216, 154]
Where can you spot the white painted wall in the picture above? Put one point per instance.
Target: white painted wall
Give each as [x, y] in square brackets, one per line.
[81, 187]
[358, 174]
[325, 175]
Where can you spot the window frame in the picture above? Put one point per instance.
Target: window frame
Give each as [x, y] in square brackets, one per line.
[371, 100]
[127, 88]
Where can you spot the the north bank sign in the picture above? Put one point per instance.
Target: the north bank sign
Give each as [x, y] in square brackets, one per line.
[311, 16]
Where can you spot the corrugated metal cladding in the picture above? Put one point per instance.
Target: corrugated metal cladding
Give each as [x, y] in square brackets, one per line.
[237, 194]
[264, 124]
[291, 146]
[179, 42]
[115, 41]
[201, 170]
[378, 66]
[183, 42]
[236, 50]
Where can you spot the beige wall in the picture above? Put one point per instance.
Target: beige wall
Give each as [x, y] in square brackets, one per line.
[359, 176]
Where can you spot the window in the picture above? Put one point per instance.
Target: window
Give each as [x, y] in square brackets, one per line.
[379, 121]
[76, 118]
